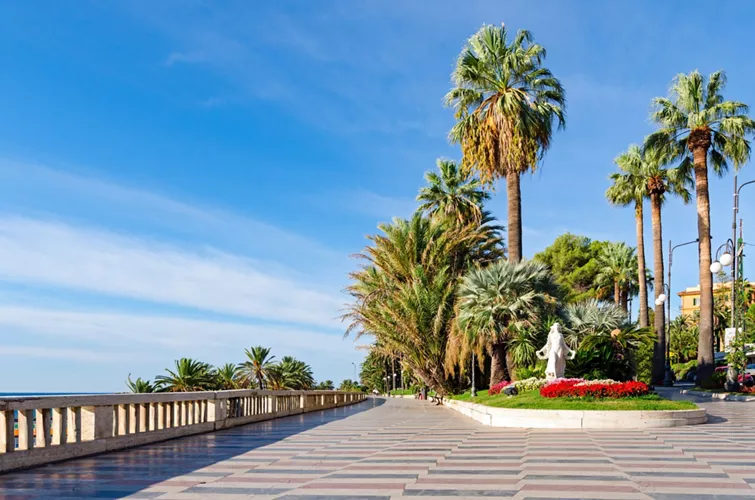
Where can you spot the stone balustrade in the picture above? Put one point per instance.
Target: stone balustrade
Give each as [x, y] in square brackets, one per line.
[40, 430]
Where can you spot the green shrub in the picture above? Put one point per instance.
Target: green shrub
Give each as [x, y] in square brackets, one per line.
[534, 371]
[682, 369]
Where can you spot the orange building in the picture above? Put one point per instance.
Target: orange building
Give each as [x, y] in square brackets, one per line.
[690, 297]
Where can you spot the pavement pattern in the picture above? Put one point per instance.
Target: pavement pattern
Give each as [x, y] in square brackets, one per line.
[380, 449]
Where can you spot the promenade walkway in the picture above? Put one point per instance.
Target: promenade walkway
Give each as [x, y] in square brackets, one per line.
[386, 449]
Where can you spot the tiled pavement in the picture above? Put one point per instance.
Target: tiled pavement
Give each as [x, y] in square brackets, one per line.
[410, 448]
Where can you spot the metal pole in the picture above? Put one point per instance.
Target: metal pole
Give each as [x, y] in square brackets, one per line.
[734, 257]
[474, 389]
[670, 381]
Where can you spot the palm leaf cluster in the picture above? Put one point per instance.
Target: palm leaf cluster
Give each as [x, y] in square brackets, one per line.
[258, 371]
[404, 295]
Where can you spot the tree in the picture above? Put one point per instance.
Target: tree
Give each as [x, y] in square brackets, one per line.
[506, 103]
[495, 303]
[189, 375]
[574, 262]
[699, 128]
[405, 293]
[453, 194]
[629, 188]
[683, 339]
[349, 385]
[660, 182]
[257, 365]
[618, 264]
[139, 385]
[228, 377]
[294, 374]
[327, 385]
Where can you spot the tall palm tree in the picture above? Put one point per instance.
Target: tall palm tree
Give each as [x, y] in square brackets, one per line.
[698, 127]
[629, 188]
[257, 365]
[452, 194]
[228, 376]
[660, 182]
[506, 103]
[618, 265]
[495, 303]
[189, 375]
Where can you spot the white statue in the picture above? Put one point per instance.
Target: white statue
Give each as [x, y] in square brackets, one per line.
[555, 351]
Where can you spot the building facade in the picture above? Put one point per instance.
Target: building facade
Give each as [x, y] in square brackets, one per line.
[690, 297]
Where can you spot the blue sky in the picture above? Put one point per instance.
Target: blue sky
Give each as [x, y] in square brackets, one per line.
[189, 178]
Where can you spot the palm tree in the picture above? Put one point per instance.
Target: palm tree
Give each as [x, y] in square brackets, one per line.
[683, 345]
[189, 375]
[257, 365]
[295, 374]
[661, 181]
[506, 104]
[452, 194]
[405, 293]
[699, 128]
[591, 317]
[495, 303]
[629, 188]
[617, 263]
[228, 377]
[139, 385]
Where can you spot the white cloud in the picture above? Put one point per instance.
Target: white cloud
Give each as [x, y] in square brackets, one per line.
[56, 353]
[63, 256]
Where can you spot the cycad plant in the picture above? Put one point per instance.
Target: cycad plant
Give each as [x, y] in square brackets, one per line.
[506, 103]
[187, 376]
[701, 129]
[495, 304]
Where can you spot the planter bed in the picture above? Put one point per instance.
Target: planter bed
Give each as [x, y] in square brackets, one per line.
[531, 410]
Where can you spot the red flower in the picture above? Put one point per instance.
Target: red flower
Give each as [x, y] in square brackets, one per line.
[570, 389]
[497, 388]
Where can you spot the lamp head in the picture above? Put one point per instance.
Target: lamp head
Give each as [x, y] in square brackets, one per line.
[662, 298]
[716, 267]
[726, 259]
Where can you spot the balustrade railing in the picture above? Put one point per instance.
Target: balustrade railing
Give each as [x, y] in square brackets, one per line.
[39, 430]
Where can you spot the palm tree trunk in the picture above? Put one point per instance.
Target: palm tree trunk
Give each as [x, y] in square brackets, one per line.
[625, 299]
[660, 317]
[641, 274]
[705, 361]
[616, 292]
[498, 363]
[514, 194]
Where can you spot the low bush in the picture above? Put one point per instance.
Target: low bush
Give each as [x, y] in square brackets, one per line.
[593, 389]
[682, 369]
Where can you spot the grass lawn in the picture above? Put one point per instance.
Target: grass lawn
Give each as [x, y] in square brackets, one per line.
[533, 401]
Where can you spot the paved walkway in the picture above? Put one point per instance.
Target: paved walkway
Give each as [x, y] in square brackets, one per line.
[380, 450]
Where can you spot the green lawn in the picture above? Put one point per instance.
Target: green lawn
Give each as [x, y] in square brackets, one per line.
[533, 401]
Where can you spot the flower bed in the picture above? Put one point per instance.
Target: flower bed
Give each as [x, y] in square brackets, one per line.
[575, 388]
[497, 388]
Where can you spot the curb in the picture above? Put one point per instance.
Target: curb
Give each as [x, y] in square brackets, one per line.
[719, 395]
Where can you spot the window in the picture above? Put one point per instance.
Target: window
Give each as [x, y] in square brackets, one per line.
[694, 301]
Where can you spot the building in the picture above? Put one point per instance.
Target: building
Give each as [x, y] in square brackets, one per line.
[690, 297]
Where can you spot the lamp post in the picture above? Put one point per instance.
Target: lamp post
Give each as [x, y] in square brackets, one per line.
[355, 371]
[731, 251]
[668, 379]
[474, 389]
[394, 380]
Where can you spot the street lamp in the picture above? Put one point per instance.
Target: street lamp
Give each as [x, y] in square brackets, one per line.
[355, 371]
[474, 389]
[668, 379]
[394, 381]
